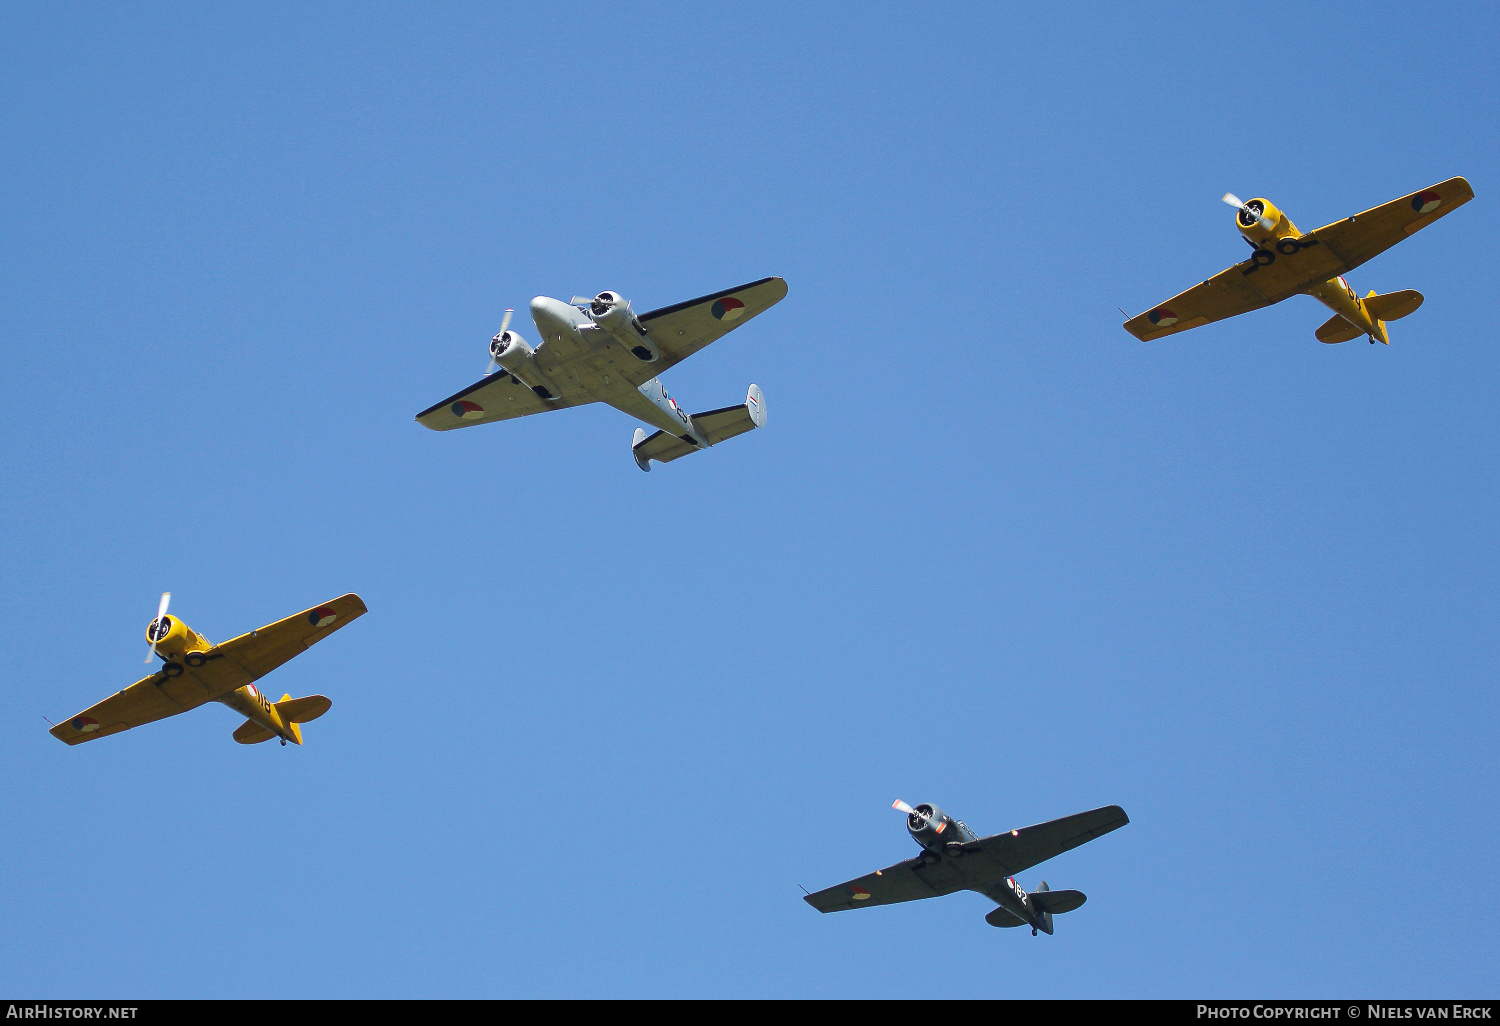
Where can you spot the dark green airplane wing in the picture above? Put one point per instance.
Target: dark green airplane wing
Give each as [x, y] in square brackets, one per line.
[905, 881]
[1010, 853]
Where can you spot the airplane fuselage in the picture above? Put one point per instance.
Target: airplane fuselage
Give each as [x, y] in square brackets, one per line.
[1014, 898]
[256, 707]
[180, 645]
[941, 836]
[590, 355]
[1336, 293]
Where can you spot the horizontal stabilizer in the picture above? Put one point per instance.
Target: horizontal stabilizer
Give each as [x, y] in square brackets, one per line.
[1057, 902]
[1394, 305]
[1336, 329]
[252, 733]
[661, 447]
[1003, 918]
[303, 710]
[715, 426]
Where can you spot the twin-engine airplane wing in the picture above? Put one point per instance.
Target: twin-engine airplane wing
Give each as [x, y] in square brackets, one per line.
[196, 672]
[684, 328]
[1286, 263]
[965, 863]
[499, 396]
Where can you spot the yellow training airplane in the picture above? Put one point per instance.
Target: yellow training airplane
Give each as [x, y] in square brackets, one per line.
[197, 671]
[1286, 262]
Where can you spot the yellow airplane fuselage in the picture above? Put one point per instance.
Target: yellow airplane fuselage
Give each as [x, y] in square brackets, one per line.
[1335, 293]
[257, 708]
[183, 646]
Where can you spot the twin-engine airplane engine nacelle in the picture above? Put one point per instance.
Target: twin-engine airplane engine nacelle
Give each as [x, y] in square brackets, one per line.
[510, 351]
[612, 313]
[177, 641]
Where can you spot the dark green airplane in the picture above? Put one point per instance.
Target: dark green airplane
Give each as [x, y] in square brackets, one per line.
[954, 859]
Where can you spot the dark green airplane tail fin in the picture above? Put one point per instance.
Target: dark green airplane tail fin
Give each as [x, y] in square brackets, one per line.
[1044, 916]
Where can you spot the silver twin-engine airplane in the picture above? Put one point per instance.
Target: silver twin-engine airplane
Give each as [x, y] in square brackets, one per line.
[953, 858]
[599, 351]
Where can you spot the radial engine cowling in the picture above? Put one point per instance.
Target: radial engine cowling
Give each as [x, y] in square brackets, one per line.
[1248, 222]
[612, 313]
[174, 639]
[510, 351]
[930, 826]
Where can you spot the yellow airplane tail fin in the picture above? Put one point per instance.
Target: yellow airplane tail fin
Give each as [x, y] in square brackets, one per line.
[1381, 334]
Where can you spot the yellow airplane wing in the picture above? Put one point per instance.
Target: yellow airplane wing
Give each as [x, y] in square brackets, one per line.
[1224, 295]
[1356, 239]
[261, 651]
[151, 698]
[232, 665]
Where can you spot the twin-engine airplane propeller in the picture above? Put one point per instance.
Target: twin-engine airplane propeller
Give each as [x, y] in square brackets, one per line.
[954, 859]
[599, 351]
[196, 671]
[1287, 262]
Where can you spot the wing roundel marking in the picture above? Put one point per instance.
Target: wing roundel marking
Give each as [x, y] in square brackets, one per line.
[1426, 202]
[1162, 317]
[859, 894]
[85, 724]
[727, 309]
[465, 409]
[322, 616]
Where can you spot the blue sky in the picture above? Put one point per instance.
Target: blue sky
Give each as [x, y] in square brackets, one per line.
[989, 551]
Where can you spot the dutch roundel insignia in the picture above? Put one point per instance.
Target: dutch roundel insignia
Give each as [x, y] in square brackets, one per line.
[1426, 202]
[727, 309]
